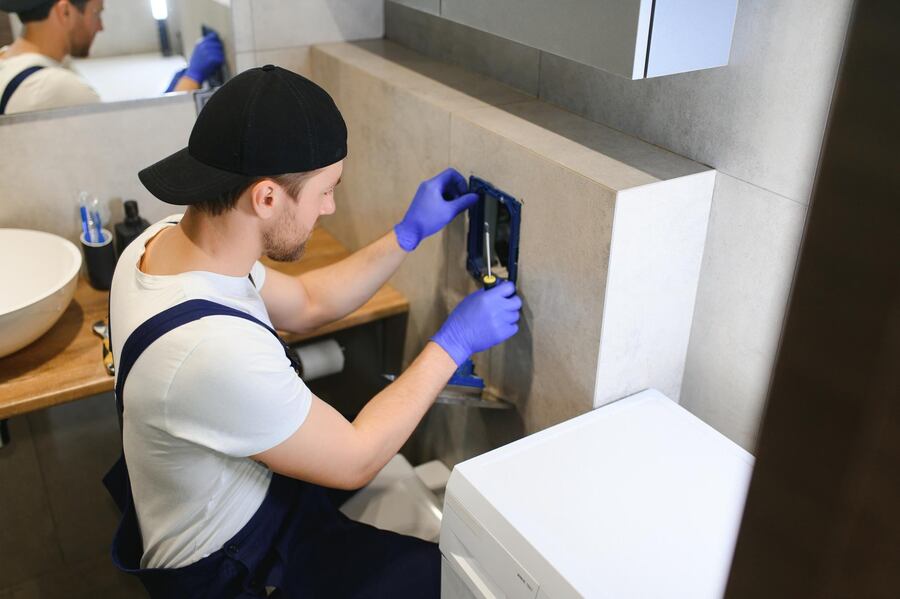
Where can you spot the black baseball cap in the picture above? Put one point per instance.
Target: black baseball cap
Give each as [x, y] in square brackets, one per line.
[20, 5]
[264, 122]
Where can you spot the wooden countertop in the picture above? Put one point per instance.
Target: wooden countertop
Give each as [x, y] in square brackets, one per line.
[65, 364]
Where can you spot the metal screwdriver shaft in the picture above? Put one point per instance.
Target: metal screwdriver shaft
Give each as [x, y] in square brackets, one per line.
[489, 279]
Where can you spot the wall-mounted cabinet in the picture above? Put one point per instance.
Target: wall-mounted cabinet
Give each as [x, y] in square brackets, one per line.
[632, 38]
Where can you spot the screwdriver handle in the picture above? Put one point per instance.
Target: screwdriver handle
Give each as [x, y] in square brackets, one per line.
[490, 281]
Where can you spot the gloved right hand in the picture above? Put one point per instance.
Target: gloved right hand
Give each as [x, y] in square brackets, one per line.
[208, 56]
[482, 320]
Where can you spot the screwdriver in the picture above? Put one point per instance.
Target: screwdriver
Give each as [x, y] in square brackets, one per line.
[489, 279]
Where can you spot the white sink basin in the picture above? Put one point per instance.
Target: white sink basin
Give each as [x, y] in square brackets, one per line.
[38, 273]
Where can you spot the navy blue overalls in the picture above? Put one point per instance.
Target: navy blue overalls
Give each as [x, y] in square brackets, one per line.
[297, 541]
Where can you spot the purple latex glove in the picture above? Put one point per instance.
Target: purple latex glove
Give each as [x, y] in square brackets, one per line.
[208, 56]
[482, 320]
[437, 202]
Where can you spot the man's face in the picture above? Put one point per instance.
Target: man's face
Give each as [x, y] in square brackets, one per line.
[83, 26]
[287, 238]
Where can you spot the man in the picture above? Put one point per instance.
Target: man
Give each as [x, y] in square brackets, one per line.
[228, 453]
[34, 74]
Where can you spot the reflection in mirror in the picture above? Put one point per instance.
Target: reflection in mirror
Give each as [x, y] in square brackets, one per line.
[68, 52]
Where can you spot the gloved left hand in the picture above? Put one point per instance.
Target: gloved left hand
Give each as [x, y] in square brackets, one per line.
[437, 202]
[208, 56]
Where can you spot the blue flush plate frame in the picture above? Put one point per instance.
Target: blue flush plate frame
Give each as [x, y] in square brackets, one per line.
[475, 263]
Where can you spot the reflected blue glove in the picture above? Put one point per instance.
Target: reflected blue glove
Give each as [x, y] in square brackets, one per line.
[207, 57]
[437, 202]
[482, 320]
[175, 79]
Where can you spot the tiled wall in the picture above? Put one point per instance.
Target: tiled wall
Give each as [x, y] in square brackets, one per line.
[56, 517]
[281, 31]
[97, 148]
[612, 234]
[759, 122]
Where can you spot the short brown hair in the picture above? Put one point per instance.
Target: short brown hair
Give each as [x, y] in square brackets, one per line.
[292, 183]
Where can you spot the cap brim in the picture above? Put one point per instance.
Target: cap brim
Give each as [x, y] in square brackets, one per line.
[183, 180]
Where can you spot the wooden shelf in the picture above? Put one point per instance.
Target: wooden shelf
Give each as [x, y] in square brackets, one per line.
[65, 364]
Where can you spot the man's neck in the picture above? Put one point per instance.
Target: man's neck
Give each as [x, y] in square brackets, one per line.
[220, 244]
[39, 38]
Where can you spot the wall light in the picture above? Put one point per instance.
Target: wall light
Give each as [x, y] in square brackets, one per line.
[160, 11]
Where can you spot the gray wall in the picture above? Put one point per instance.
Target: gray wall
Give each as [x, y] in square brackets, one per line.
[281, 31]
[759, 122]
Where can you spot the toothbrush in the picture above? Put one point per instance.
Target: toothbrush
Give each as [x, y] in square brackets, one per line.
[95, 216]
[84, 223]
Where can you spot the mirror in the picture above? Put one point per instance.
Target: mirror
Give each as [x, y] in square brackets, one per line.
[136, 54]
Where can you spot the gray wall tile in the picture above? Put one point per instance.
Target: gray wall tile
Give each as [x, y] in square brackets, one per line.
[288, 23]
[503, 60]
[752, 246]
[100, 152]
[76, 444]
[761, 119]
[29, 546]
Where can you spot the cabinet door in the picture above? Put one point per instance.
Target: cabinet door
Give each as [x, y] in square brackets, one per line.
[631, 38]
[608, 34]
[688, 35]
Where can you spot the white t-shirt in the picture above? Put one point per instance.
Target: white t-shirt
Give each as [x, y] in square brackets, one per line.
[198, 402]
[54, 86]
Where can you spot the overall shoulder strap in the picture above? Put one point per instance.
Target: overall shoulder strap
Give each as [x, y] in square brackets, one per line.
[160, 324]
[14, 84]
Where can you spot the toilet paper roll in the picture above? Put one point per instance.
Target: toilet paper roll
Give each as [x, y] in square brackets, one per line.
[320, 359]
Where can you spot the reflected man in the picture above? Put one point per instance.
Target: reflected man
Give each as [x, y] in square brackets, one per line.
[34, 69]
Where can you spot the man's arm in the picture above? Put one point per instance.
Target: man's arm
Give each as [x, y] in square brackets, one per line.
[330, 451]
[303, 303]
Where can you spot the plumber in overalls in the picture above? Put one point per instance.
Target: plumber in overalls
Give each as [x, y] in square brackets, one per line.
[230, 464]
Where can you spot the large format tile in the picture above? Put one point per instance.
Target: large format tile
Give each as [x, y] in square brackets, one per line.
[446, 86]
[287, 23]
[29, 545]
[293, 59]
[501, 59]
[102, 154]
[548, 369]
[760, 119]
[603, 145]
[396, 139]
[754, 237]
[658, 236]
[76, 444]
[242, 26]
[91, 579]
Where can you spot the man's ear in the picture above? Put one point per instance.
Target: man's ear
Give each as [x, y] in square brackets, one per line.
[63, 9]
[263, 198]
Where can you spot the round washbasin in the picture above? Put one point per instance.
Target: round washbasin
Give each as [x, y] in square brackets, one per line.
[38, 273]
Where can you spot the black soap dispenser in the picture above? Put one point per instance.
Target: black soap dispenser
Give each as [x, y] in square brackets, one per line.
[133, 226]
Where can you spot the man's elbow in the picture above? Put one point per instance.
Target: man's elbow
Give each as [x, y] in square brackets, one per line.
[355, 480]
